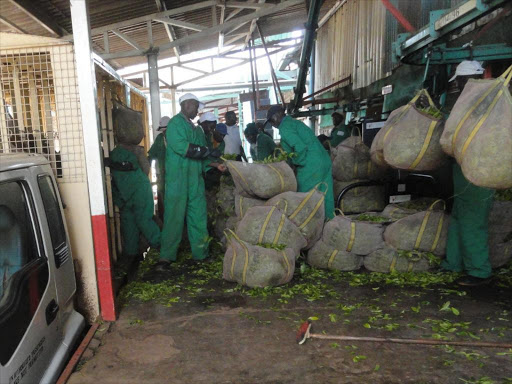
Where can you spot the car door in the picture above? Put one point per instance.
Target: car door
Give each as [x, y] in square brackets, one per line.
[29, 331]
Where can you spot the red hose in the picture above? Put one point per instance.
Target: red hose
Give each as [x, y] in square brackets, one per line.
[398, 15]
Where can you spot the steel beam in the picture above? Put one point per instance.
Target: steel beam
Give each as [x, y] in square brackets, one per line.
[208, 32]
[127, 39]
[252, 27]
[171, 34]
[35, 12]
[11, 25]
[143, 19]
[154, 90]
[179, 23]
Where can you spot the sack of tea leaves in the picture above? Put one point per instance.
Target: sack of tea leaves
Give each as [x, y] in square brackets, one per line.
[223, 223]
[325, 256]
[351, 235]
[257, 266]
[410, 138]
[478, 132]
[128, 125]
[262, 181]
[360, 199]
[226, 199]
[270, 225]
[423, 231]
[500, 233]
[388, 259]
[305, 210]
[398, 211]
[353, 162]
[242, 204]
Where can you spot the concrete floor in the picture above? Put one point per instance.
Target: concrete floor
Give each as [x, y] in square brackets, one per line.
[209, 331]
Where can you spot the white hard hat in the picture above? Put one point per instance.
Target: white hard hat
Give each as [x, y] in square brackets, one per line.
[468, 68]
[191, 96]
[164, 120]
[207, 116]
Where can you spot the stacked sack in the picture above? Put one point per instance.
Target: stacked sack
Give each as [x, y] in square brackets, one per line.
[410, 240]
[344, 243]
[223, 216]
[351, 163]
[478, 132]
[500, 233]
[271, 233]
[410, 138]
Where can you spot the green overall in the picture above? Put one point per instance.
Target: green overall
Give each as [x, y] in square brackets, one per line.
[338, 134]
[467, 247]
[134, 197]
[157, 152]
[312, 160]
[264, 147]
[184, 191]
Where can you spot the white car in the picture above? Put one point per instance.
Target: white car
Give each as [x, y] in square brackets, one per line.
[38, 323]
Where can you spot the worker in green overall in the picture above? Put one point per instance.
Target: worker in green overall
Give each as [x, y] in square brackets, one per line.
[133, 195]
[311, 159]
[340, 131]
[467, 247]
[157, 153]
[262, 146]
[186, 160]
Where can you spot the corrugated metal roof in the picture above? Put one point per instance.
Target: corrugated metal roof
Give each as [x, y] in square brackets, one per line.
[106, 12]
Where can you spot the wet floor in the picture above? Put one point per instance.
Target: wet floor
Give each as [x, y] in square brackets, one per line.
[187, 325]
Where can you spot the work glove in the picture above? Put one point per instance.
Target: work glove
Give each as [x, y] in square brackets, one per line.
[118, 166]
[197, 152]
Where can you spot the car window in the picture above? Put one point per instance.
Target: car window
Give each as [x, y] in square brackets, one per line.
[24, 270]
[54, 218]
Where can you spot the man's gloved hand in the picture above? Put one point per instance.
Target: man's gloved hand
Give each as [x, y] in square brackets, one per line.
[197, 152]
[215, 153]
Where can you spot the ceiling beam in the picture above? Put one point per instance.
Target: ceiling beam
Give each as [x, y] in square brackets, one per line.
[143, 19]
[171, 34]
[127, 39]
[11, 25]
[208, 32]
[252, 27]
[246, 5]
[36, 13]
[179, 23]
[221, 34]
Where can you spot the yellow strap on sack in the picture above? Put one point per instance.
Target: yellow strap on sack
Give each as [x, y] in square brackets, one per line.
[265, 223]
[281, 180]
[279, 229]
[302, 204]
[331, 258]
[506, 75]
[313, 212]
[438, 234]
[352, 236]
[246, 263]
[410, 266]
[240, 175]
[370, 167]
[233, 261]
[424, 223]
[406, 108]
[354, 171]
[481, 122]
[426, 143]
[393, 263]
[288, 268]
[393, 211]
[241, 206]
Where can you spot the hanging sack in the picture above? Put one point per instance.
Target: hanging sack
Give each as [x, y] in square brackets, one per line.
[128, 126]
[478, 132]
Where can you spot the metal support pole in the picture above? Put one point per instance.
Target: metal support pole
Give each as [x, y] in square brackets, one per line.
[272, 73]
[154, 90]
[305, 55]
[256, 80]
[251, 61]
[93, 156]
[312, 119]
